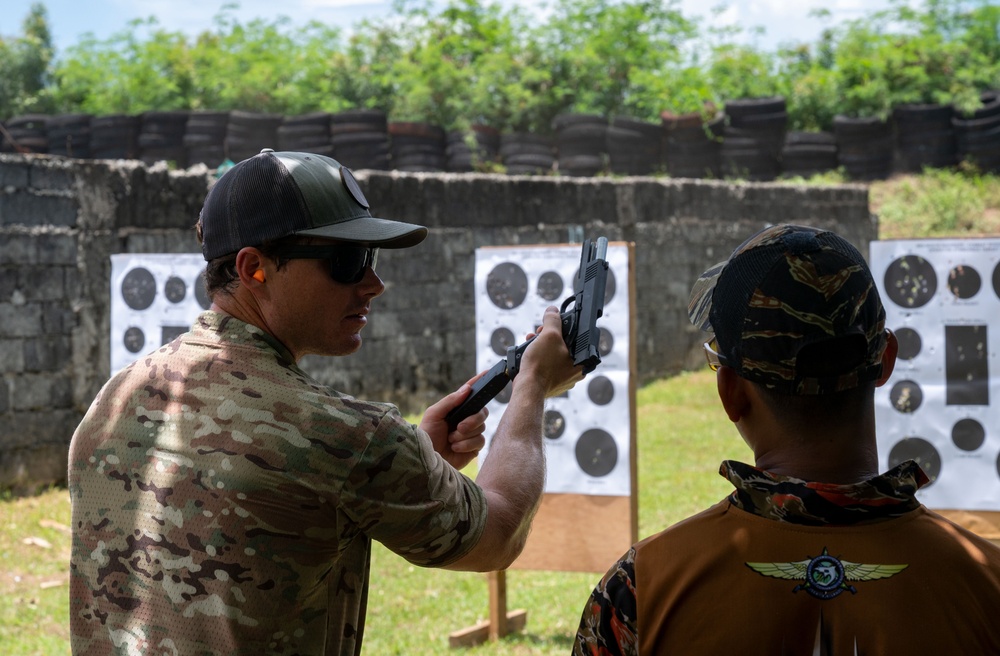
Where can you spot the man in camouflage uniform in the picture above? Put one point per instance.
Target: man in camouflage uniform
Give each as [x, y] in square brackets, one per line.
[224, 502]
[814, 552]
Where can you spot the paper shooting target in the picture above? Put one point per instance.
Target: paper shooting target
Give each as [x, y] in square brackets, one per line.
[587, 431]
[940, 407]
[154, 298]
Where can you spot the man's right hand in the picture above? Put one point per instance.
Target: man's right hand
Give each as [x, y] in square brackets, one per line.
[547, 359]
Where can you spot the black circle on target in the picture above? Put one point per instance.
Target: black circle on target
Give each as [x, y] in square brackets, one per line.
[550, 285]
[175, 289]
[601, 390]
[909, 343]
[964, 281]
[200, 293]
[996, 280]
[605, 342]
[910, 281]
[609, 287]
[501, 339]
[596, 452]
[139, 288]
[920, 451]
[968, 434]
[507, 285]
[134, 339]
[906, 396]
[553, 424]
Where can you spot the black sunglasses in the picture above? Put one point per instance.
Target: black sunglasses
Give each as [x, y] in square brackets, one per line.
[348, 262]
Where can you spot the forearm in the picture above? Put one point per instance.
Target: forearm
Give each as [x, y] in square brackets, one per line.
[513, 478]
[513, 475]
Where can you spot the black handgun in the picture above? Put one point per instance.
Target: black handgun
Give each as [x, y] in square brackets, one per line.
[579, 330]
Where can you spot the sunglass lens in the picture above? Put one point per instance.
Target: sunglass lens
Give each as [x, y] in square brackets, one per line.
[348, 263]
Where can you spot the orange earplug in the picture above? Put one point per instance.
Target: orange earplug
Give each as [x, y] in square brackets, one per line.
[258, 275]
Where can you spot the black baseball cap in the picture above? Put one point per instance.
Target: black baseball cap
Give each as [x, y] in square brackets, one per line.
[277, 194]
[795, 309]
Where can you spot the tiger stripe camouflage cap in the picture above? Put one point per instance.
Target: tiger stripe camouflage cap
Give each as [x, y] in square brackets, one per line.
[277, 194]
[796, 309]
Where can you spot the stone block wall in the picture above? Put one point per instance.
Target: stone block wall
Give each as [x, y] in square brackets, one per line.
[62, 219]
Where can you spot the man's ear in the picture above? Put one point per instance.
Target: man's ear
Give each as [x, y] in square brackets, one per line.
[732, 393]
[888, 357]
[250, 261]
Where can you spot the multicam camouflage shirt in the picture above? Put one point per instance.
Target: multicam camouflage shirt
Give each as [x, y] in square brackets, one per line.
[224, 502]
[608, 626]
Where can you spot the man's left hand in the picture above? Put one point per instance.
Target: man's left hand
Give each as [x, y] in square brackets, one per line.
[460, 446]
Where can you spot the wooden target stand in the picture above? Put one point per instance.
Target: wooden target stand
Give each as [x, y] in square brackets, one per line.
[558, 541]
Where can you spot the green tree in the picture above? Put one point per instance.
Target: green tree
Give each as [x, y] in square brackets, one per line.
[25, 62]
[126, 73]
[944, 52]
[265, 66]
[607, 55]
[809, 76]
[738, 70]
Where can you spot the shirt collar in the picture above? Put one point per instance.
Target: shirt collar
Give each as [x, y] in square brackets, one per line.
[796, 501]
[221, 327]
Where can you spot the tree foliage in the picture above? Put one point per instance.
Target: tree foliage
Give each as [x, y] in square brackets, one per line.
[480, 61]
[25, 62]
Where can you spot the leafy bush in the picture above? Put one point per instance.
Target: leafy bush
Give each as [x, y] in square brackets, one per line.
[25, 62]
[478, 61]
[608, 56]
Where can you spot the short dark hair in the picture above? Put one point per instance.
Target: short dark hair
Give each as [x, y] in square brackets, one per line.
[220, 273]
[803, 412]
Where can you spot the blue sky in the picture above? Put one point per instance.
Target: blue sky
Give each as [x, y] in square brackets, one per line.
[784, 20]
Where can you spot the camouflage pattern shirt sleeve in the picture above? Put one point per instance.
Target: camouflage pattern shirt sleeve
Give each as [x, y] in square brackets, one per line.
[608, 624]
[224, 502]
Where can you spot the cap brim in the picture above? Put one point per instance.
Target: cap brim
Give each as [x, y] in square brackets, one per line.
[374, 232]
[700, 303]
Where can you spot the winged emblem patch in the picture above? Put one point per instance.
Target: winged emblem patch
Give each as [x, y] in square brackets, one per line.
[826, 576]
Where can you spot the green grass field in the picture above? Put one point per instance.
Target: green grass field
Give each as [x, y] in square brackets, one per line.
[683, 435]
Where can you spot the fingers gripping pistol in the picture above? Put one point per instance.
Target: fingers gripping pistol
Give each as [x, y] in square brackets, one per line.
[579, 331]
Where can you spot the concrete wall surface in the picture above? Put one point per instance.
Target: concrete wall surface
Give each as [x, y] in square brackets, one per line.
[61, 220]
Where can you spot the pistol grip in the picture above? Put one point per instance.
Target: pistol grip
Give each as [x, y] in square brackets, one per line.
[483, 391]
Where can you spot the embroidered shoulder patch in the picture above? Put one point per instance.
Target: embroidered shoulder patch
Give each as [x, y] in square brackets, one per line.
[825, 576]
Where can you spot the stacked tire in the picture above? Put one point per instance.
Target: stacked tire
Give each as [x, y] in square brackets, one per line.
[69, 135]
[473, 149]
[924, 136]
[977, 136]
[247, 133]
[753, 138]
[417, 146]
[581, 143]
[692, 145]
[115, 136]
[307, 133]
[527, 153]
[161, 137]
[634, 146]
[205, 137]
[360, 139]
[26, 134]
[864, 147]
[808, 153]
